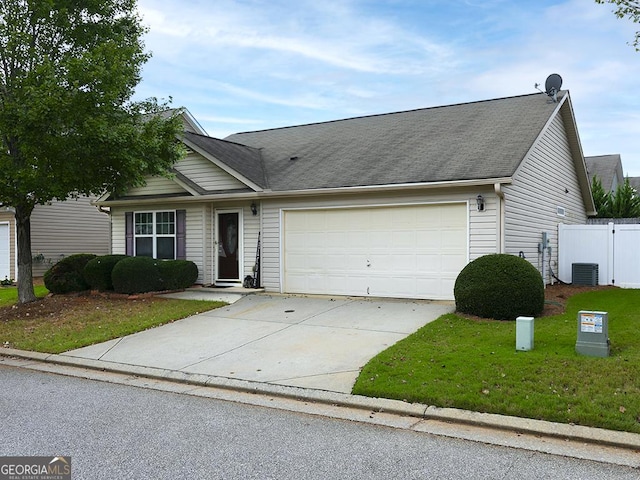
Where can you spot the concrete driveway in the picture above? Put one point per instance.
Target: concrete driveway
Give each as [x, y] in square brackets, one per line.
[302, 341]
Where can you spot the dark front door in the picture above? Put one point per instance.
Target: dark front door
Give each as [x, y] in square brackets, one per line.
[228, 246]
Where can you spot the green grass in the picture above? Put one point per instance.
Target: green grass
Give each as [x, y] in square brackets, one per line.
[88, 320]
[473, 365]
[9, 295]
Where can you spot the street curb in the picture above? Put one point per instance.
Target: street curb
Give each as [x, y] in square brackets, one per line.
[589, 435]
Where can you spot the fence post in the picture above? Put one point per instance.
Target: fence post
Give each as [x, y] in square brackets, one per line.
[611, 273]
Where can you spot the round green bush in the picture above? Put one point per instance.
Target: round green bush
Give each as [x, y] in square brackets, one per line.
[499, 286]
[177, 274]
[97, 272]
[66, 276]
[136, 275]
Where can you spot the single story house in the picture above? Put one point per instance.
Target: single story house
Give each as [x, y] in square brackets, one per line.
[58, 229]
[391, 205]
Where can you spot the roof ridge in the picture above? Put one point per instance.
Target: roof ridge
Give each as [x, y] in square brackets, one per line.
[209, 137]
[387, 114]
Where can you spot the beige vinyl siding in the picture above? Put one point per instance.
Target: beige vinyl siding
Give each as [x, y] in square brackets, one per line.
[208, 227]
[204, 173]
[6, 218]
[545, 180]
[118, 235]
[482, 225]
[195, 238]
[251, 230]
[64, 228]
[156, 186]
[195, 231]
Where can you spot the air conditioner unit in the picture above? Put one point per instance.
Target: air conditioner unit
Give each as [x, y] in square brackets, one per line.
[584, 274]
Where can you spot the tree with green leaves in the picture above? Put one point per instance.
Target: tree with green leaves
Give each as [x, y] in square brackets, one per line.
[601, 198]
[629, 9]
[68, 124]
[623, 203]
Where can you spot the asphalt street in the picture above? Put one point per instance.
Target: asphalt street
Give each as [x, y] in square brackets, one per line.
[118, 431]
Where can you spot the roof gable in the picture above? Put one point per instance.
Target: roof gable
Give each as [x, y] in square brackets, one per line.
[241, 161]
[199, 174]
[479, 140]
[156, 185]
[608, 169]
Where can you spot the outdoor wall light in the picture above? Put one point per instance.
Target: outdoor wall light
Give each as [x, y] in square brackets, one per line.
[480, 203]
[254, 209]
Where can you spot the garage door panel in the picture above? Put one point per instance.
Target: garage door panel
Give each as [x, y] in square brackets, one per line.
[452, 263]
[451, 239]
[402, 239]
[412, 251]
[429, 239]
[429, 263]
[379, 287]
[393, 264]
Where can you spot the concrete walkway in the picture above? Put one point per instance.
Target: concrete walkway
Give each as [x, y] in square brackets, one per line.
[302, 341]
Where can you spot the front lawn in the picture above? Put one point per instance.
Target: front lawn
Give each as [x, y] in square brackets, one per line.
[59, 323]
[472, 364]
[9, 295]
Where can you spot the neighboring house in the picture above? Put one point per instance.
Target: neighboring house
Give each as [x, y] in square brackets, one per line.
[608, 169]
[7, 243]
[58, 230]
[391, 205]
[635, 183]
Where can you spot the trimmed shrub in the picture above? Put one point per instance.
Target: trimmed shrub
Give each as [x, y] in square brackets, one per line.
[97, 272]
[136, 275]
[499, 286]
[177, 274]
[66, 275]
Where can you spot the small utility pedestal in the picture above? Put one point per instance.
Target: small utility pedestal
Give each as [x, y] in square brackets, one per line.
[593, 333]
[524, 333]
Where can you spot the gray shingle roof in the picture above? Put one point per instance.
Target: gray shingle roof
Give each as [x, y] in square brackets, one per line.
[606, 168]
[245, 160]
[486, 139]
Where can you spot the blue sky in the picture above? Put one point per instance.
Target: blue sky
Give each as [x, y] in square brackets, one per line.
[254, 64]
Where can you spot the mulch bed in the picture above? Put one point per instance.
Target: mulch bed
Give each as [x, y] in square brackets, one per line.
[55, 306]
[555, 296]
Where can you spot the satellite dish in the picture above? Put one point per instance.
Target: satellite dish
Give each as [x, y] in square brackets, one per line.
[552, 85]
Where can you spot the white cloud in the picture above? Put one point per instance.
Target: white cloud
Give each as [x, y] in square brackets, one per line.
[337, 37]
[279, 62]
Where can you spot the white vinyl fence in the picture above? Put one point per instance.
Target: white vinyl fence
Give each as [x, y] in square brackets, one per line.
[614, 247]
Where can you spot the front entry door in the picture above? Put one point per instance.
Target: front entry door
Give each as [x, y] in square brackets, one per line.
[228, 247]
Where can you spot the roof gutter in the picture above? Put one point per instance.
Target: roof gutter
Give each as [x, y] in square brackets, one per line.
[269, 194]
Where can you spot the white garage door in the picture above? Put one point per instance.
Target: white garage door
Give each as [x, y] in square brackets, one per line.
[5, 261]
[412, 251]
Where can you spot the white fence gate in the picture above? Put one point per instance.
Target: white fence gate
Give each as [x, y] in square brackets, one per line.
[614, 247]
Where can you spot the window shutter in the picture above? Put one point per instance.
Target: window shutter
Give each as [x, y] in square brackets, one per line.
[181, 234]
[128, 233]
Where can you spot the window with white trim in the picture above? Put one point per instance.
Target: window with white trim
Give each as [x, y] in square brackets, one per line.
[154, 234]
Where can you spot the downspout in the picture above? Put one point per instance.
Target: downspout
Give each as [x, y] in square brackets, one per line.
[497, 187]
